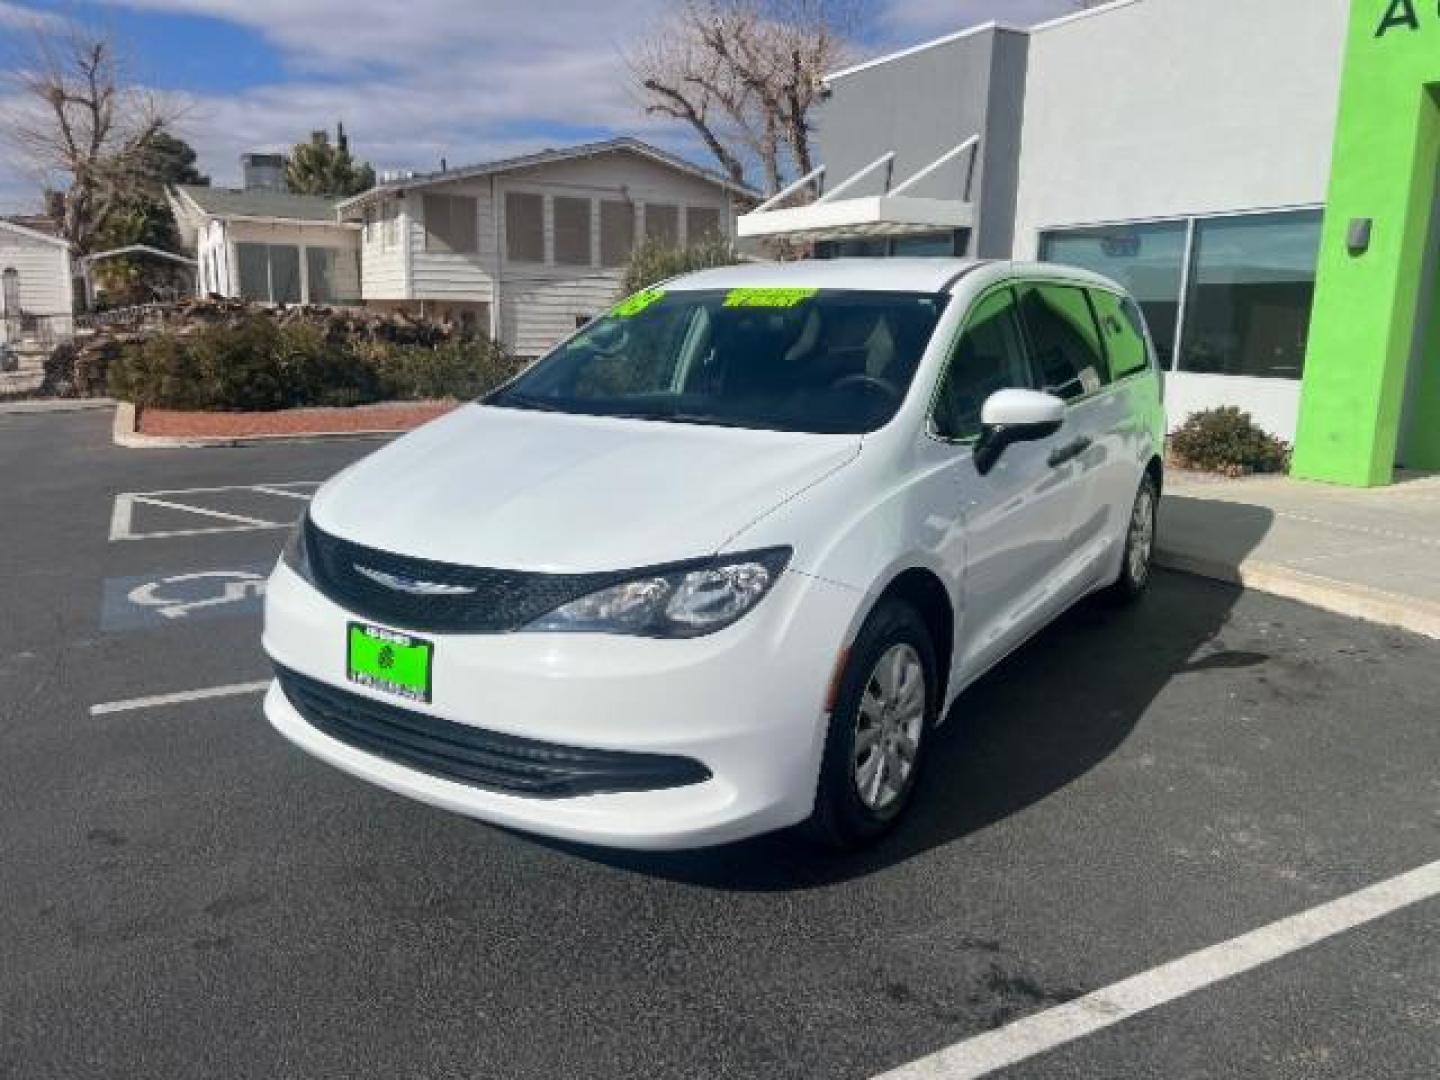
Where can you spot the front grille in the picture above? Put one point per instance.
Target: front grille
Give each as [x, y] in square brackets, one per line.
[486, 759]
[499, 601]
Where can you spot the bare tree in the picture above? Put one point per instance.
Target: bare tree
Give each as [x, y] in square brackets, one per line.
[745, 75]
[77, 120]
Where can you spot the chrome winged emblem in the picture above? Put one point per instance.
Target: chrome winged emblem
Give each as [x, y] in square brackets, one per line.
[411, 585]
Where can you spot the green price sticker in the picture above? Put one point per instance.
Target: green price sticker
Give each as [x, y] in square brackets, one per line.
[768, 298]
[629, 308]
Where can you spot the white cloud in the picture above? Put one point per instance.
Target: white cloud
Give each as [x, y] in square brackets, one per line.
[462, 79]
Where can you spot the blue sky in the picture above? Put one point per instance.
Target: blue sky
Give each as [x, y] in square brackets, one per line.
[413, 80]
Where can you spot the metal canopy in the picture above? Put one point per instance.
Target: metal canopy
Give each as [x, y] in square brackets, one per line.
[892, 213]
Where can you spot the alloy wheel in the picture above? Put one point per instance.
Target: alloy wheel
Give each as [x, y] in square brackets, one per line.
[889, 726]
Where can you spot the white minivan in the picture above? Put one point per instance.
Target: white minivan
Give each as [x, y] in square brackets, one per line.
[720, 563]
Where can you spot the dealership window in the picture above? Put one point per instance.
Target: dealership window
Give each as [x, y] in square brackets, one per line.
[1252, 285]
[617, 232]
[701, 223]
[450, 222]
[936, 244]
[269, 273]
[1148, 259]
[524, 227]
[662, 224]
[572, 231]
[1064, 340]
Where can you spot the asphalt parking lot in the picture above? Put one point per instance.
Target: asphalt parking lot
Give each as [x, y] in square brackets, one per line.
[182, 894]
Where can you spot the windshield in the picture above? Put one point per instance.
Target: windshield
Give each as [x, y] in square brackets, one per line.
[779, 359]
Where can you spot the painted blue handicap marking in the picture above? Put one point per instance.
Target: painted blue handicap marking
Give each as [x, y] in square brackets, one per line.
[178, 599]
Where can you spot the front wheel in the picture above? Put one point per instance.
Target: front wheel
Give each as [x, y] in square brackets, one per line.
[884, 710]
[1139, 558]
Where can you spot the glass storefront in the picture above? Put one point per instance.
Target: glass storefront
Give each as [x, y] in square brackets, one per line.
[1247, 283]
[941, 245]
[1251, 289]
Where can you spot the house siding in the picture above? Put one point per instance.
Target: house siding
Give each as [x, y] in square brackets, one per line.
[382, 258]
[44, 269]
[538, 302]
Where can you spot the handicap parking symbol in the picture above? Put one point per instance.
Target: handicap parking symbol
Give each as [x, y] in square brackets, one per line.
[141, 603]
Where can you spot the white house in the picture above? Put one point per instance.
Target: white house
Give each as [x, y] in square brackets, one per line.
[530, 247]
[37, 284]
[270, 246]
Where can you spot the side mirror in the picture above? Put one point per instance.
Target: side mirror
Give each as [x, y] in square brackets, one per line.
[1015, 416]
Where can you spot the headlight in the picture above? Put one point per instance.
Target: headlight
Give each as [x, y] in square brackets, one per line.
[689, 601]
[295, 554]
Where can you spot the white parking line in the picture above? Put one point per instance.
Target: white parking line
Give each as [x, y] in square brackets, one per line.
[122, 517]
[179, 698]
[1064, 1024]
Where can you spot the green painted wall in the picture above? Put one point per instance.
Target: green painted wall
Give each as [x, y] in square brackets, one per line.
[1387, 148]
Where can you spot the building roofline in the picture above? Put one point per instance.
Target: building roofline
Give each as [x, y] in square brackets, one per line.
[547, 157]
[1076, 16]
[34, 234]
[933, 43]
[972, 31]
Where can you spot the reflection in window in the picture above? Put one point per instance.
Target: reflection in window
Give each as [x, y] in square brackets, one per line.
[1147, 259]
[1064, 340]
[988, 358]
[1252, 287]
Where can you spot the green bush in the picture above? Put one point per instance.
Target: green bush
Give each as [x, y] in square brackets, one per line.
[653, 261]
[1227, 440]
[253, 363]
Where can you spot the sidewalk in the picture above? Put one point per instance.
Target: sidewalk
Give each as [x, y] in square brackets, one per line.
[1372, 554]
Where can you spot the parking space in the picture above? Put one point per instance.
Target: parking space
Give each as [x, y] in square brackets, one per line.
[185, 895]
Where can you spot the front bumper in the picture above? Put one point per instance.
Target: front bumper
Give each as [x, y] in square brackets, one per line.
[748, 704]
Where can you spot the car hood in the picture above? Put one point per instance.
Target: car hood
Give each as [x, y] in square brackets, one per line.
[560, 493]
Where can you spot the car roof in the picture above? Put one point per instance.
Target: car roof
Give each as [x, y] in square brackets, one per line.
[909, 275]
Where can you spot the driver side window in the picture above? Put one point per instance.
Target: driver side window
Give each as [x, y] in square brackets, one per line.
[988, 356]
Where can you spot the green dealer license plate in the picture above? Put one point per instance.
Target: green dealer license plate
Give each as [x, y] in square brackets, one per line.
[384, 660]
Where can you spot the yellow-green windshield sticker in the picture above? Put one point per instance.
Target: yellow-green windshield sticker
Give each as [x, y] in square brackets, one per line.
[768, 298]
[634, 305]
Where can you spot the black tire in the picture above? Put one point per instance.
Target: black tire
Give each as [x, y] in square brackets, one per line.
[1136, 571]
[843, 819]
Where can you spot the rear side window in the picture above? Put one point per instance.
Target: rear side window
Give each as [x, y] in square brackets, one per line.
[1124, 333]
[1064, 339]
[988, 356]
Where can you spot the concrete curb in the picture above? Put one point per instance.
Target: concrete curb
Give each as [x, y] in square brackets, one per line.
[126, 433]
[1342, 598]
[39, 406]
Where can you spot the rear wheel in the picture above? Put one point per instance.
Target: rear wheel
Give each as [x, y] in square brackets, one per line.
[885, 707]
[1139, 558]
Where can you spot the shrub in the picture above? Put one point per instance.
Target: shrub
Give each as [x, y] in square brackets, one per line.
[653, 261]
[1227, 440]
[253, 363]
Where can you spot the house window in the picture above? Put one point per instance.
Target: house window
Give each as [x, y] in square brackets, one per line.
[524, 227]
[269, 273]
[617, 232]
[662, 224]
[701, 223]
[1148, 259]
[450, 224]
[324, 267]
[572, 232]
[10, 292]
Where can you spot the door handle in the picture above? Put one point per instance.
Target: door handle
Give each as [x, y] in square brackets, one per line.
[1070, 451]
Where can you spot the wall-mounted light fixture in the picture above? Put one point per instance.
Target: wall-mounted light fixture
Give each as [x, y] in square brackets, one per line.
[1357, 237]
